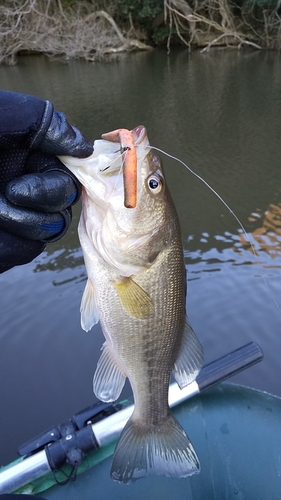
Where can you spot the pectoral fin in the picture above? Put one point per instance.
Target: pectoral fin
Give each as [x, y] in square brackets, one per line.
[133, 298]
[89, 308]
[190, 358]
[108, 379]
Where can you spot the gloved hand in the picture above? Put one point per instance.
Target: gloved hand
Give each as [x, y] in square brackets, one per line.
[37, 205]
[36, 190]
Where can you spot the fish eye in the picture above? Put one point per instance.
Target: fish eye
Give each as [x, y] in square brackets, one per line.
[155, 184]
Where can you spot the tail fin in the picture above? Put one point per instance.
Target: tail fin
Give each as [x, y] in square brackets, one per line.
[153, 451]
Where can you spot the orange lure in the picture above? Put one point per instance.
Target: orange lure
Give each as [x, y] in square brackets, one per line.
[126, 139]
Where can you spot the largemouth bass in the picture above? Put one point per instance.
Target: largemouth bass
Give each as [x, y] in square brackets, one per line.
[136, 289]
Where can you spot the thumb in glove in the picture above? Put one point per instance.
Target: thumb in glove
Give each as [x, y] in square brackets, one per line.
[62, 138]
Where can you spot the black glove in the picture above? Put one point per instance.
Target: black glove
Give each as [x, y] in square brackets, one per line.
[36, 190]
[36, 206]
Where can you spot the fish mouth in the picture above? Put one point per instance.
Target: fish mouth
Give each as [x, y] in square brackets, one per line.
[134, 146]
[129, 140]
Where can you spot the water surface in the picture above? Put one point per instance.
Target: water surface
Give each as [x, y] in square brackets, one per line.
[220, 114]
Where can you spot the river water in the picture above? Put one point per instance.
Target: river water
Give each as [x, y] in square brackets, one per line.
[220, 113]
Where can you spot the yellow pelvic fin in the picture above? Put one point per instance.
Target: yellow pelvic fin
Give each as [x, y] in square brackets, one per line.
[133, 298]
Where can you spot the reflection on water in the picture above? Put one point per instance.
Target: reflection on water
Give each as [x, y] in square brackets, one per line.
[214, 251]
[267, 234]
[261, 246]
[220, 114]
[65, 257]
[61, 259]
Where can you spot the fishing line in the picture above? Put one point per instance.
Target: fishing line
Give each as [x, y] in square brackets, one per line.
[122, 156]
[248, 238]
[228, 208]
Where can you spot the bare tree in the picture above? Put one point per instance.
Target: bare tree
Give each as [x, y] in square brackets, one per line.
[88, 30]
[209, 23]
[45, 26]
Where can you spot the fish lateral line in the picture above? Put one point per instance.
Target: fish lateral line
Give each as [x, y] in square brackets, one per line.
[246, 234]
[134, 311]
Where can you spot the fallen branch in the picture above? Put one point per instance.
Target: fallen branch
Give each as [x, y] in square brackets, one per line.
[232, 35]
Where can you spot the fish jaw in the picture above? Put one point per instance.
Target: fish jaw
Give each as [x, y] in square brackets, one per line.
[105, 175]
[90, 172]
[120, 235]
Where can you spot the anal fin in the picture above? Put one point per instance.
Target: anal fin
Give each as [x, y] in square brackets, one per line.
[190, 358]
[108, 380]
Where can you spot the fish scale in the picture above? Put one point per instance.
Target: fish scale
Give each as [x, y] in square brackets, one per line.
[136, 289]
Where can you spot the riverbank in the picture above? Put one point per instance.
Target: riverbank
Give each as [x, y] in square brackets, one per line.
[62, 29]
[72, 29]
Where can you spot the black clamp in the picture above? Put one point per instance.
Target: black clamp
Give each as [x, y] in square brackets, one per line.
[69, 442]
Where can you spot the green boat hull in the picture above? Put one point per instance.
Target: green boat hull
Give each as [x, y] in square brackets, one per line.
[236, 433]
